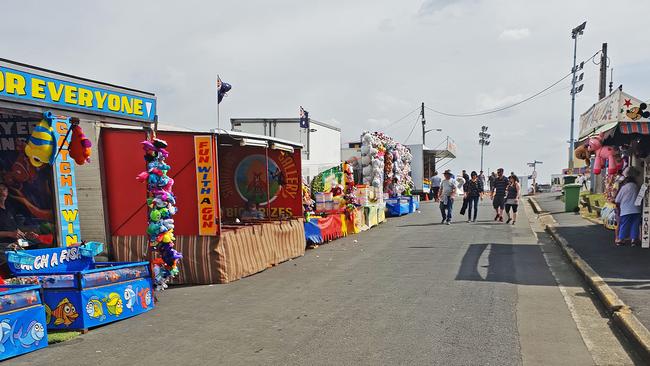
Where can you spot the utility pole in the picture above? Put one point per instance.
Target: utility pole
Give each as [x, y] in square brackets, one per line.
[611, 79]
[483, 141]
[602, 86]
[575, 32]
[424, 122]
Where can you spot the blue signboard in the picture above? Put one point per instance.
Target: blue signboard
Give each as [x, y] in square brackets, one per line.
[92, 98]
[66, 185]
[51, 260]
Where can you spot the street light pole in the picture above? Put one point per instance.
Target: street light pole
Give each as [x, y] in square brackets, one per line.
[483, 141]
[534, 166]
[574, 34]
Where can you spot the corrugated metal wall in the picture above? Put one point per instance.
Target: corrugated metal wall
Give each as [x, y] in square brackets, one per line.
[89, 190]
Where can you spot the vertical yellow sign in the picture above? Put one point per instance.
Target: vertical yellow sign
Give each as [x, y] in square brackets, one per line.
[205, 185]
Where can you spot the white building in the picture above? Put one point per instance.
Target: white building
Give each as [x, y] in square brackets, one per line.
[322, 142]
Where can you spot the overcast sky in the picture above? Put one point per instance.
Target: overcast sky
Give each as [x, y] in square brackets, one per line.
[357, 64]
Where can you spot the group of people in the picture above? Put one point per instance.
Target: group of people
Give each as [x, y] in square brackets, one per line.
[504, 192]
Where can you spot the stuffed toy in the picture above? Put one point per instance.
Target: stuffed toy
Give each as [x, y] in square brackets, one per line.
[80, 146]
[40, 145]
[604, 153]
[582, 153]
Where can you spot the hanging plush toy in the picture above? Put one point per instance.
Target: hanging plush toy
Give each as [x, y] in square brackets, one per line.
[161, 203]
[603, 153]
[40, 145]
[80, 146]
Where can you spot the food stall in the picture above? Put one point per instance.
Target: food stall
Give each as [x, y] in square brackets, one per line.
[614, 136]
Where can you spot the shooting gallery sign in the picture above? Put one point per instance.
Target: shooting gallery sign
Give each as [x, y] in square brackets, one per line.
[206, 186]
[246, 175]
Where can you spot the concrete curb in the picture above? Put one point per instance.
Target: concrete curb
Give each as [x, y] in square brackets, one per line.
[534, 205]
[621, 314]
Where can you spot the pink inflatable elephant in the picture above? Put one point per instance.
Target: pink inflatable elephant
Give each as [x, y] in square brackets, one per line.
[603, 153]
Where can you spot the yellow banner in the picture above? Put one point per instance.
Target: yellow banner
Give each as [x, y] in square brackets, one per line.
[205, 185]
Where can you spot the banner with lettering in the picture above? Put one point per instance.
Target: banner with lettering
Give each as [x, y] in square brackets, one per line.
[66, 186]
[52, 260]
[206, 187]
[30, 200]
[245, 175]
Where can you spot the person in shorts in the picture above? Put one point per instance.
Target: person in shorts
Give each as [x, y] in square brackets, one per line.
[499, 194]
[435, 185]
[513, 191]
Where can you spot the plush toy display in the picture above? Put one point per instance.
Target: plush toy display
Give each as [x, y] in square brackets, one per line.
[162, 206]
[582, 153]
[386, 163]
[40, 145]
[603, 153]
[80, 146]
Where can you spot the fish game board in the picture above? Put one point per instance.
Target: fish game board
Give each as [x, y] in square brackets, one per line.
[79, 293]
[22, 320]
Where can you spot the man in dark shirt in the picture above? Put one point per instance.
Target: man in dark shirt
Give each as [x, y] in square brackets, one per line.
[499, 194]
[9, 231]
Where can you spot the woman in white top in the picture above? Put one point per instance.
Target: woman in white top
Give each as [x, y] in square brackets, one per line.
[630, 222]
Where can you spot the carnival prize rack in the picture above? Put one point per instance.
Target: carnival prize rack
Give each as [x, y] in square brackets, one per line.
[79, 293]
[22, 320]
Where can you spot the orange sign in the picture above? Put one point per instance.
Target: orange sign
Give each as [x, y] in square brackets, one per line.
[206, 187]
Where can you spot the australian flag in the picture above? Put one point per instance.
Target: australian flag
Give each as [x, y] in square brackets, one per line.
[222, 89]
[304, 118]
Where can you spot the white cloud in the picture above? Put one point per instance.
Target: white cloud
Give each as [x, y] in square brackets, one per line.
[386, 25]
[514, 34]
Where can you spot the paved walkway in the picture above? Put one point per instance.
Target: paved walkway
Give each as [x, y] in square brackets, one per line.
[409, 292]
[625, 269]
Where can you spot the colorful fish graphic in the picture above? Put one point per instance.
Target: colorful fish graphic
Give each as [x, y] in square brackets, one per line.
[5, 334]
[113, 304]
[94, 308]
[129, 297]
[40, 145]
[145, 297]
[34, 333]
[64, 313]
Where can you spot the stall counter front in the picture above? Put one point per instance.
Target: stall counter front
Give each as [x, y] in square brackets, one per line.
[79, 293]
[22, 320]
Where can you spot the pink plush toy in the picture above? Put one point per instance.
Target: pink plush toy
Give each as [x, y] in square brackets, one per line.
[603, 153]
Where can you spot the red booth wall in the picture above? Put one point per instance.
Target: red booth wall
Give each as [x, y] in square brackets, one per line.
[123, 159]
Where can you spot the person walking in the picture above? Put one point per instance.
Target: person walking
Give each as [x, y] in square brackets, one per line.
[463, 190]
[491, 179]
[435, 185]
[513, 192]
[473, 193]
[499, 194]
[481, 177]
[446, 197]
[628, 226]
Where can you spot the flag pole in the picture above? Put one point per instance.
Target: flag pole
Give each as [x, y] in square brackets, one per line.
[218, 119]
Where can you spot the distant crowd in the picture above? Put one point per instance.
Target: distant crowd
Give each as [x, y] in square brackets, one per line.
[504, 192]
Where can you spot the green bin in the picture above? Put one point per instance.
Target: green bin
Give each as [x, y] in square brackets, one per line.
[568, 179]
[571, 197]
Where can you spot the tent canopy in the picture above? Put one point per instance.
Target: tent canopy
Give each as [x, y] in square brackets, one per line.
[611, 111]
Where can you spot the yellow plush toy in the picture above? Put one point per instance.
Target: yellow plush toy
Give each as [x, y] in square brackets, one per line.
[40, 145]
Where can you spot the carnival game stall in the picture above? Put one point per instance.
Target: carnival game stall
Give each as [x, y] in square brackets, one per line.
[79, 293]
[22, 320]
[336, 211]
[261, 202]
[387, 170]
[615, 138]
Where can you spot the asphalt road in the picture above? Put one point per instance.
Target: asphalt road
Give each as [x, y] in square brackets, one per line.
[409, 292]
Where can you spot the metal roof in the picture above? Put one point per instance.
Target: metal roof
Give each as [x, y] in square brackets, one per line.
[282, 120]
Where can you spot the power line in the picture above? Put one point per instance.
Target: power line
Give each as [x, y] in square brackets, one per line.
[401, 119]
[415, 123]
[482, 113]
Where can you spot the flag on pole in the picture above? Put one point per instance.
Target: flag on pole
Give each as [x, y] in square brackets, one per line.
[222, 89]
[304, 118]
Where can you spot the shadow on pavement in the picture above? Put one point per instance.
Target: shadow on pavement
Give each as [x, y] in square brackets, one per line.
[521, 264]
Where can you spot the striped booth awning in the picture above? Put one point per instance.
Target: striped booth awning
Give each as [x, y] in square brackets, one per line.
[634, 127]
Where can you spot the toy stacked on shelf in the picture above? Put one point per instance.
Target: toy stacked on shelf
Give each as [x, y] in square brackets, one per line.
[161, 202]
[372, 161]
